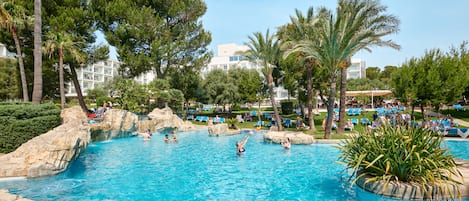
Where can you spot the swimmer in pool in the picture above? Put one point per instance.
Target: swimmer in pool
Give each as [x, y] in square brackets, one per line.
[240, 145]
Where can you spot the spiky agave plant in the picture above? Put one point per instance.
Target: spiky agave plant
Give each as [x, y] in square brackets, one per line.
[392, 154]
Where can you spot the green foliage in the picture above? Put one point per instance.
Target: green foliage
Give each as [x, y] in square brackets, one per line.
[399, 154]
[220, 88]
[22, 122]
[372, 73]
[9, 79]
[96, 93]
[248, 82]
[433, 79]
[101, 100]
[287, 107]
[160, 35]
[236, 107]
[131, 95]
[364, 84]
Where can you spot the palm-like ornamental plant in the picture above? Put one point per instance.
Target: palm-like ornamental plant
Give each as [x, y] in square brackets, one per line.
[301, 28]
[398, 154]
[357, 25]
[62, 43]
[266, 50]
[12, 18]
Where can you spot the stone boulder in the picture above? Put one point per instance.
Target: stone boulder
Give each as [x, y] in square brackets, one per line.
[295, 137]
[189, 126]
[221, 130]
[73, 115]
[161, 119]
[5, 196]
[49, 153]
[116, 123]
[164, 118]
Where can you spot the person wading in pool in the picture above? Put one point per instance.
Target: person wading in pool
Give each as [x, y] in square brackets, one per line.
[240, 145]
[174, 136]
[286, 144]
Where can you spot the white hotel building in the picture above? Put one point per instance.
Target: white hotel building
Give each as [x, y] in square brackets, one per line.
[228, 58]
[357, 70]
[97, 74]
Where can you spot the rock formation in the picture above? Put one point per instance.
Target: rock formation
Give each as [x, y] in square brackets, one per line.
[116, 123]
[5, 196]
[164, 118]
[49, 153]
[295, 137]
[221, 130]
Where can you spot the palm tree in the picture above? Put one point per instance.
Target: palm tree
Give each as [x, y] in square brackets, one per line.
[37, 90]
[13, 17]
[62, 43]
[301, 28]
[357, 25]
[343, 89]
[265, 50]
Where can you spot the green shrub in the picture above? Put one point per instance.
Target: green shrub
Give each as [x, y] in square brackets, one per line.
[287, 107]
[22, 122]
[236, 107]
[100, 101]
[399, 154]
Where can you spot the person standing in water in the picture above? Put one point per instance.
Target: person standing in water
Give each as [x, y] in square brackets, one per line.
[286, 144]
[173, 135]
[240, 145]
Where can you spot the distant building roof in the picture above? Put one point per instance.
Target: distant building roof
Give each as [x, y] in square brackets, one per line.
[369, 93]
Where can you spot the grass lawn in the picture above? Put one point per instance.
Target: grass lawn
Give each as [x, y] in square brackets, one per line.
[463, 115]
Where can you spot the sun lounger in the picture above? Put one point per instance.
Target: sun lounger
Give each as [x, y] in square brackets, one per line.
[259, 123]
[459, 107]
[463, 132]
[365, 121]
[190, 117]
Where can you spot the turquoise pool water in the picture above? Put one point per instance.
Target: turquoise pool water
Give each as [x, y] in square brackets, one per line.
[197, 168]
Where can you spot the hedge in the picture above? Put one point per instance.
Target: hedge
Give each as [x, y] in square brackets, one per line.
[22, 122]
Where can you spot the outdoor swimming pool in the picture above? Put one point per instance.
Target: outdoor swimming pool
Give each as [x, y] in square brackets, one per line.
[197, 168]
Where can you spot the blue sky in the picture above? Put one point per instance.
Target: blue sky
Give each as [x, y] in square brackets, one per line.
[425, 24]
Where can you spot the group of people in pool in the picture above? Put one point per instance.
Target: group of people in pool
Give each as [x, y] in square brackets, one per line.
[147, 136]
[286, 144]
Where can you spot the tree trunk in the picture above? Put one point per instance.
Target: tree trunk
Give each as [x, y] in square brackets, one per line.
[61, 78]
[19, 54]
[423, 113]
[272, 99]
[37, 90]
[81, 101]
[309, 88]
[330, 106]
[343, 89]
[412, 117]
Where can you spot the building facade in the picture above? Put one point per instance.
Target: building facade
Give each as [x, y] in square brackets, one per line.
[93, 76]
[97, 74]
[228, 57]
[357, 70]
[4, 53]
